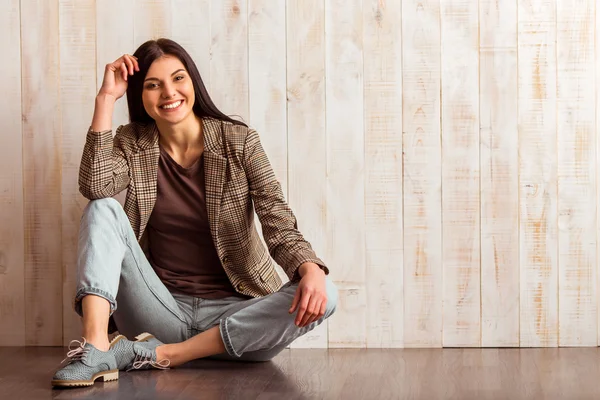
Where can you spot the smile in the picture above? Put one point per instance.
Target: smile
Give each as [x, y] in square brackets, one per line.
[172, 106]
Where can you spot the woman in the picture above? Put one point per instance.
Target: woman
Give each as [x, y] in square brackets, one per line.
[183, 259]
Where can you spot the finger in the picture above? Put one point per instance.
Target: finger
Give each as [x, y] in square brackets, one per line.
[311, 312]
[303, 306]
[123, 69]
[129, 64]
[318, 312]
[295, 301]
[323, 308]
[135, 63]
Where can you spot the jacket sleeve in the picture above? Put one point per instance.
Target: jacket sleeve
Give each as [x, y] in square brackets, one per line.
[104, 171]
[286, 244]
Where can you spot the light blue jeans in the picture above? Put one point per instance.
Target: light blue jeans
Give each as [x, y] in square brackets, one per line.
[111, 264]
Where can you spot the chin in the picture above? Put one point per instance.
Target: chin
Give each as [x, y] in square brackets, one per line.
[173, 119]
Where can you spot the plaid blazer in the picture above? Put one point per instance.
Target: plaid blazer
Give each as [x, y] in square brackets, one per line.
[239, 180]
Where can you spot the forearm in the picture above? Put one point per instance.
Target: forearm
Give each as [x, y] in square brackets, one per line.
[286, 244]
[103, 113]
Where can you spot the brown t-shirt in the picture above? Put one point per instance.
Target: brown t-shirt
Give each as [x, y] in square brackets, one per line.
[182, 251]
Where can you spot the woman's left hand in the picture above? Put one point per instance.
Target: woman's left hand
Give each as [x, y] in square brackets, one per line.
[311, 295]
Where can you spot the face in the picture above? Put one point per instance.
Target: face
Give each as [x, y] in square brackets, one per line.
[168, 93]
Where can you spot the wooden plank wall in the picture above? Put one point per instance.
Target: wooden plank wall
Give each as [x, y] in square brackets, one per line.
[441, 156]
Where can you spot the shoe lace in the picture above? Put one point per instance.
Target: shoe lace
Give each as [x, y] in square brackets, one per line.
[141, 361]
[76, 353]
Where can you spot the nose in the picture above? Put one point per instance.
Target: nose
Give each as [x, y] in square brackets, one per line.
[168, 91]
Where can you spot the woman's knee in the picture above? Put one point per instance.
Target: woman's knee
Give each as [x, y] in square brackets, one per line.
[102, 206]
[103, 209]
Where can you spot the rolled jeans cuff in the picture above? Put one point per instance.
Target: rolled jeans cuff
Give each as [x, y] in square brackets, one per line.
[81, 293]
[226, 338]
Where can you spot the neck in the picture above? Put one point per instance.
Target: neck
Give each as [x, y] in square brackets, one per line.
[183, 136]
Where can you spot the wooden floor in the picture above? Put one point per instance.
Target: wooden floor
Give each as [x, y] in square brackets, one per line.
[566, 373]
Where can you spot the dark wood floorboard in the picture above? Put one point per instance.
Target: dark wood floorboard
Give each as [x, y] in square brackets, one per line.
[428, 374]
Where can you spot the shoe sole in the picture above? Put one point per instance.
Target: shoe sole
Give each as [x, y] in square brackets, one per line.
[142, 337]
[106, 376]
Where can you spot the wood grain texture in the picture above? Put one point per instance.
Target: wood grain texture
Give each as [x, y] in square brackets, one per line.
[345, 169]
[267, 80]
[421, 70]
[497, 106]
[422, 374]
[267, 85]
[151, 20]
[537, 173]
[597, 133]
[77, 93]
[577, 302]
[229, 62]
[307, 145]
[42, 162]
[382, 41]
[12, 273]
[112, 43]
[267, 99]
[499, 174]
[191, 29]
[460, 173]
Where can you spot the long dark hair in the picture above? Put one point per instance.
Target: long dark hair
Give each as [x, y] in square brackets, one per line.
[146, 54]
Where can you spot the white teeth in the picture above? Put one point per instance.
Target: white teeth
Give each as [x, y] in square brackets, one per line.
[174, 105]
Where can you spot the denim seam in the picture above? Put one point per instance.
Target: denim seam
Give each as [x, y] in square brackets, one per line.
[99, 292]
[137, 264]
[226, 338]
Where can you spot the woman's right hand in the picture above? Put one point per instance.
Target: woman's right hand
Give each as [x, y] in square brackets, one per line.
[115, 76]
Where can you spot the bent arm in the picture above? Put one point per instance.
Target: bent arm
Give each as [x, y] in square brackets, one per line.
[104, 171]
[286, 244]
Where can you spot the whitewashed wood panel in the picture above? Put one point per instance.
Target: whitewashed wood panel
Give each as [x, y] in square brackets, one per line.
[151, 20]
[12, 273]
[266, 89]
[382, 41]
[597, 133]
[537, 173]
[191, 29]
[577, 305]
[339, 91]
[345, 169]
[267, 80]
[112, 43]
[229, 62]
[77, 93]
[499, 174]
[307, 155]
[267, 83]
[422, 265]
[42, 172]
[460, 173]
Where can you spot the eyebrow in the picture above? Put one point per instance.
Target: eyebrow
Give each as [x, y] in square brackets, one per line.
[156, 79]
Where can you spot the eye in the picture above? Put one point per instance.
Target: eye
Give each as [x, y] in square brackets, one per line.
[179, 77]
[151, 86]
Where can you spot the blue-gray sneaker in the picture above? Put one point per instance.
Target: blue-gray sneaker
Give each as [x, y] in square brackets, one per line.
[85, 364]
[140, 354]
